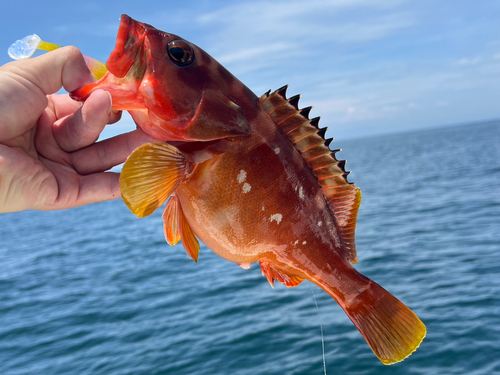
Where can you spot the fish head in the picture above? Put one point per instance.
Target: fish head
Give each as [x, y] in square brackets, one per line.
[173, 89]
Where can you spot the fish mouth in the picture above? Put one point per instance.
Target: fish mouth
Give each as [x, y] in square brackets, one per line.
[129, 43]
[127, 65]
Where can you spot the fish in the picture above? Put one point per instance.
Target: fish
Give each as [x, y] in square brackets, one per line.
[252, 177]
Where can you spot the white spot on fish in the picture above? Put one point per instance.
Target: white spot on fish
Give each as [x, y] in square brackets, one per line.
[296, 242]
[301, 192]
[304, 243]
[242, 176]
[320, 203]
[263, 209]
[276, 217]
[245, 266]
[320, 223]
[277, 150]
[246, 187]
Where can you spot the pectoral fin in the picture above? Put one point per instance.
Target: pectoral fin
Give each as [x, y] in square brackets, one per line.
[217, 117]
[150, 175]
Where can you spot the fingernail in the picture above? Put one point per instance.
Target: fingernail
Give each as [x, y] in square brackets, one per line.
[110, 109]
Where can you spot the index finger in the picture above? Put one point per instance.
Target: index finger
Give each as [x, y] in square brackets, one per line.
[25, 84]
[63, 67]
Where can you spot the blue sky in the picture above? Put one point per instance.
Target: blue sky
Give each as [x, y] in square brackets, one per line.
[368, 67]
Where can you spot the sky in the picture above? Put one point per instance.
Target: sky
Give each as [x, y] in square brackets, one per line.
[367, 67]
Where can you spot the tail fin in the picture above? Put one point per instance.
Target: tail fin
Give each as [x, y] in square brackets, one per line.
[391, 329]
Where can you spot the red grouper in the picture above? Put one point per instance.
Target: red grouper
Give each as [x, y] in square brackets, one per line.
[253, 178]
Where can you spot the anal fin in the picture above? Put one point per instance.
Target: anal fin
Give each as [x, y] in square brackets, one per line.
[273, 273]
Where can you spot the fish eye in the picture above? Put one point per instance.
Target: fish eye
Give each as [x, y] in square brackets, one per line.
[180, 52]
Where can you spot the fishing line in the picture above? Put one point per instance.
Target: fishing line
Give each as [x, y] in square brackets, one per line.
[321, 327]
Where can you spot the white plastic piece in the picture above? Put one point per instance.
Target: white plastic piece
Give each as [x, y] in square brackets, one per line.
[24, 48]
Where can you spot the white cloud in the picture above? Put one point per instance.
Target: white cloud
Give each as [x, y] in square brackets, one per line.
[390, 108]
[252, 53]
[473, 61]
[353, 60]
[101, 30]
[253, 35]
[404, 96]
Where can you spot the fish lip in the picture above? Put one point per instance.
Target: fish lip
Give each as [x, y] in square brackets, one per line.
[129, 42]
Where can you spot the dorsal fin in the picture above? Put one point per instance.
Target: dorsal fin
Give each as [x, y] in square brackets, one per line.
[344, 198]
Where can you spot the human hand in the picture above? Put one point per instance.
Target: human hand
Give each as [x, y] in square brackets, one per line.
[49, 157]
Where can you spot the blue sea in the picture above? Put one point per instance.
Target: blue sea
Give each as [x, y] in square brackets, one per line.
[94, 290]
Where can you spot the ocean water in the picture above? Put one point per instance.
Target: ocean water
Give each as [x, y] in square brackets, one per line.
[94, 290]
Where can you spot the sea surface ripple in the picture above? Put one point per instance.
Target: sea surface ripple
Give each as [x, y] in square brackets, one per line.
[94, 290]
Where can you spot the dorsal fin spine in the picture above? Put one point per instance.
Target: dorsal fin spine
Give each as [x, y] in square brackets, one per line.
[282, 91]
[334, 152]
[292, 124]
[313, 154]
[301, 132]
[308, 143]
[305, 111]
[321, 161]
[294, 101]
[315, 122]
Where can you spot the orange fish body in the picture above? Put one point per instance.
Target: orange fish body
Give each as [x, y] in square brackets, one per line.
[253, 178]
